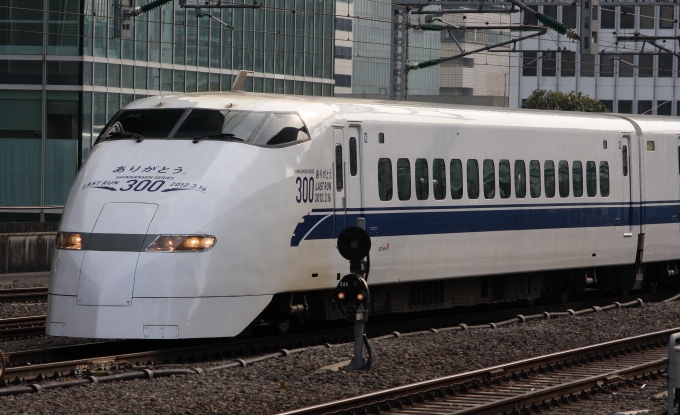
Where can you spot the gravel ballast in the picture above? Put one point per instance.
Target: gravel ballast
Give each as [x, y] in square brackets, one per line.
[286, 383]
[11, 310]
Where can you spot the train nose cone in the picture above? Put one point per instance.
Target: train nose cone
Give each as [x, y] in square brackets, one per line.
[107, 275]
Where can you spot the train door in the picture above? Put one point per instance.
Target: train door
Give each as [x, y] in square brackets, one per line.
[340, 192]
[624, 146]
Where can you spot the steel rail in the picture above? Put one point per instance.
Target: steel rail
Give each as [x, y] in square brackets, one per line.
[63, 359]
[13, 295]
[505, 371]
[22, 327]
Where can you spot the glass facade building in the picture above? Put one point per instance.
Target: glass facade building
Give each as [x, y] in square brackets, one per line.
[63, 74]
[363, 36]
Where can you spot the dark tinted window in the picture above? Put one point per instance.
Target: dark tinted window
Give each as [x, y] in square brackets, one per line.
[604, 179]
[587, 65]
[404, 179]
[627, 17]
[535, 178]
[520, 179]
[569, 15]
[339, 180]
[666, 18]
[563, 178]
[439, 179]
[282, 129]
[206, 123]
[385, 179]
[489, 177]
[577, 173]
[154, 123]
[422, 181]
[456, 168]
[646, 17]
[624, 154]
[353, 156]
[529, 63]
[608, 17]
[549, 174]
[646, 66]
[591, 179]
[568, 63]
[504, 179]
[473, 179]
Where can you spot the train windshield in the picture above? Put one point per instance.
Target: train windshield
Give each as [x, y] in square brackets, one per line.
[257, 128]
[142, 123]
[210, 124]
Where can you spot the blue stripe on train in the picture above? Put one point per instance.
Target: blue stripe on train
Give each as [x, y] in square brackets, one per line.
[324, 224]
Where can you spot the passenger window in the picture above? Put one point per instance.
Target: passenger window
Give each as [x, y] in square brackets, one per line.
[577, 172]
[282, 129]
[591, 179]
[422, 180]
[535, 178]
[404, 179]
[563, 178]
[504, 179]
[489, 179]
[385, 179]
[353, 156]
[338, 168]
[456, 168]
[549, 177]
[520, 179]
[439, 179]
[624, 153]
[604, 179]
[473, 179]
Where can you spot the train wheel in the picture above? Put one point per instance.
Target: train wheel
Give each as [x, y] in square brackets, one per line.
[280, 325]
[562, 295]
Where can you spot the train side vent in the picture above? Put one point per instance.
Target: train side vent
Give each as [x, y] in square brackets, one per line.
[426, 293]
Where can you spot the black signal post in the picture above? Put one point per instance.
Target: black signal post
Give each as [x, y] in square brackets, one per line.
[352, 292]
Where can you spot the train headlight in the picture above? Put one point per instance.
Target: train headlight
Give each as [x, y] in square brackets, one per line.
[182, 243]
[69, 240]
[341, 295]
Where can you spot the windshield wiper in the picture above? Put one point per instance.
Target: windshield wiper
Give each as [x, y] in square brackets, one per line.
[222, 136]
[124, 134]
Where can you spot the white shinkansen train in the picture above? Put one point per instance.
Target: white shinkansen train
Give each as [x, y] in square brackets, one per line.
[200, 215]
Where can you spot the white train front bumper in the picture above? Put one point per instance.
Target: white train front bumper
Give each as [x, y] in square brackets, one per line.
[154, 318]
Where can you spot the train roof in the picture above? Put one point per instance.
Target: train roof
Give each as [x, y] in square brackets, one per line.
[318, 111]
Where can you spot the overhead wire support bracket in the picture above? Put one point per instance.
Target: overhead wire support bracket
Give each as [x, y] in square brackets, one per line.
[427, 64]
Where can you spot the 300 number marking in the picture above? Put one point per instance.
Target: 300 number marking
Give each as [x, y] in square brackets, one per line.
[305, 189]
[147, 185]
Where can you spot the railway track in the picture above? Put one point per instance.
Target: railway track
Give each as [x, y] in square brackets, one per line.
[36, 365]
[23, 295]
[520, 387]
[12, 328]
[31, 364]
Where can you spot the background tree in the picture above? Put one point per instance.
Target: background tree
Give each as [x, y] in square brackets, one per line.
[552, 100]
